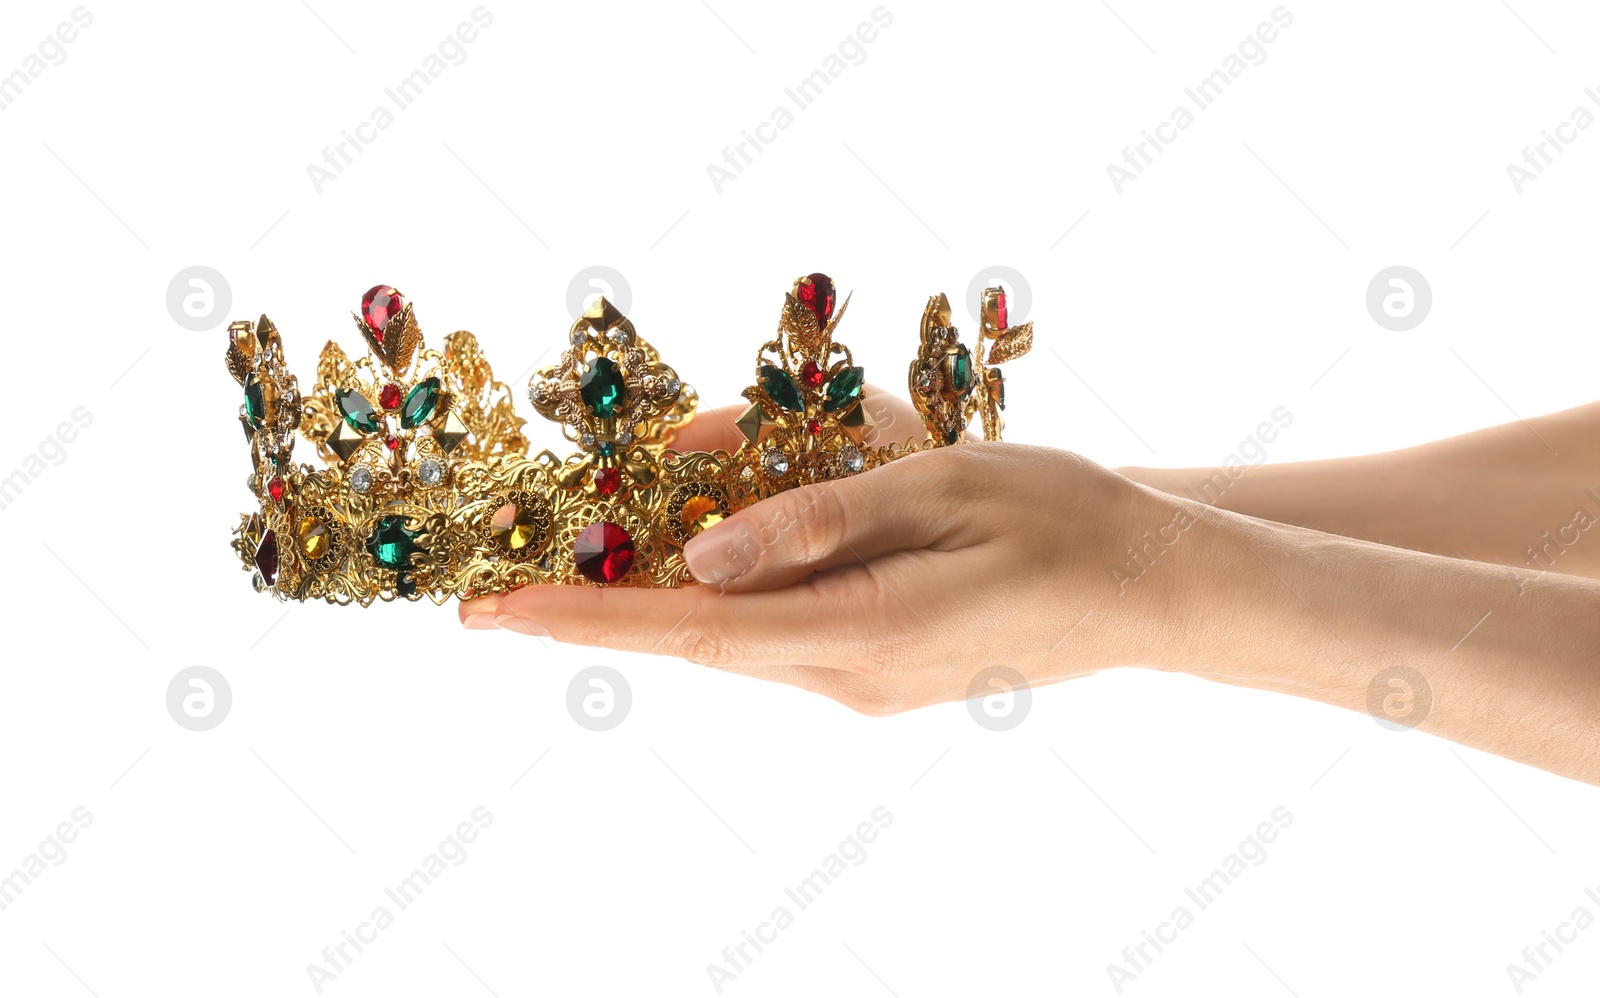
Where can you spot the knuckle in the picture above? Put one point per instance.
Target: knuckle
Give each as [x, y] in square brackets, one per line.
[819, 527]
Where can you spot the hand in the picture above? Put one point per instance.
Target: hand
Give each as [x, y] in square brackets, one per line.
[894, 589]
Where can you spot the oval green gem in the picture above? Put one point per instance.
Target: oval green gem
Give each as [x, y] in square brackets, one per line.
[844, 389]
[961, 370]
[255, 406]
[602, 388]
[782, 387]
[420, 403]
[391, 544]
[358, 412]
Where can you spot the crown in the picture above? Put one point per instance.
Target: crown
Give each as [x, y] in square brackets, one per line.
[426, 487]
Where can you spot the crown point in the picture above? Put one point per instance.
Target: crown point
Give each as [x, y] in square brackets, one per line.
[815, 291]
[602, 315]
[379, 305]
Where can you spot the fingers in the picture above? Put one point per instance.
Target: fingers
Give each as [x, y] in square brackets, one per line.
[916, 502]
[713, 429]
[694, 623]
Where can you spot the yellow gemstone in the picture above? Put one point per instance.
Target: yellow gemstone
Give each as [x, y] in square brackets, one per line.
[701, 513]
[513, 527]
[313, 536]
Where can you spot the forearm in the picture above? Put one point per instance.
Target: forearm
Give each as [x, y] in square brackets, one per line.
[1513, 666]
[1520, 494]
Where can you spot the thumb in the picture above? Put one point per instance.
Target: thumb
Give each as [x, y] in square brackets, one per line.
[908, 504]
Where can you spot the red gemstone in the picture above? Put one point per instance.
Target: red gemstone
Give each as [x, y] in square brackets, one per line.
[1000, 310]
[275, 488]
[813, 374]
[608, 481]
[389, 396]
[603, 552]
[267, 557]
[814, 427]
[392, 442]
[380, 305]
[816, 293]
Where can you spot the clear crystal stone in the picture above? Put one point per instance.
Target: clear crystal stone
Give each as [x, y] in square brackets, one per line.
[673, 386]
[624, 438]
[586, 441]
[777, 462]
[579, 336]
[361, 480]
[621, 337]
[852, 460]
[430, 471]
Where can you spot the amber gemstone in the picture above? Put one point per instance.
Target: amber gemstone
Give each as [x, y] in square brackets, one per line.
[313, 536]
[701, 513]
[603, 552]
[389, 397]
[816, 293]
[514, 528]
[380, 305]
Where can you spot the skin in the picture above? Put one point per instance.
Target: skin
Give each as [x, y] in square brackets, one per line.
[1306, 578]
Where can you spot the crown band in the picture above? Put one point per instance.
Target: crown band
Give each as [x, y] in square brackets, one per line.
[427, 488]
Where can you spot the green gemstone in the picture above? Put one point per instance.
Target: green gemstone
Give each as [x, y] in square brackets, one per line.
[391, 544]
[1002, 382]
[358, 412]
[405, 585]
[420, 403]
[951, 436]
[780, 384]
[844, 389]
[255, 405]
[607, 449]
[961, 373]
[602, 388]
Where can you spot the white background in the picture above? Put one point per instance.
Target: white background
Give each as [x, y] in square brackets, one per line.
[1228, 280]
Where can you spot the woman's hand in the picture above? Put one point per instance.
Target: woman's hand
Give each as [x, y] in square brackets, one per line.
[896, 588]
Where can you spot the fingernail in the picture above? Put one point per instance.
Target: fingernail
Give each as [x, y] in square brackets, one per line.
[480, 622]
[522, 625]
[721, 554]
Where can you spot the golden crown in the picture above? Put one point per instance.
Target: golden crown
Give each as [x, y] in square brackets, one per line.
[427, 487]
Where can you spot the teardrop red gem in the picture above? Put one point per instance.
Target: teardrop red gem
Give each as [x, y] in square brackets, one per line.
[379, 305]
